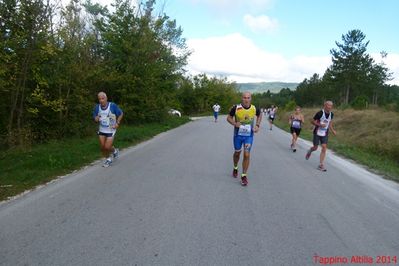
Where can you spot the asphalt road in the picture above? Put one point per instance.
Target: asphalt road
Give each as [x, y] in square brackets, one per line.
[172, 201]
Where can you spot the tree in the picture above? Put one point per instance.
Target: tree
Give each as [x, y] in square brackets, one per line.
[199, 93]
[352, 74]
[143, 59]
[353, 69]
[379, 74]
[311, 91]
[24, 37]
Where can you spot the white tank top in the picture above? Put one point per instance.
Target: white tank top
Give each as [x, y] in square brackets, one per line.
[107, 119]
[322, 131]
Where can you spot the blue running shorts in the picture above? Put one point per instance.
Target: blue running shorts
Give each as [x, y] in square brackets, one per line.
[239, 141]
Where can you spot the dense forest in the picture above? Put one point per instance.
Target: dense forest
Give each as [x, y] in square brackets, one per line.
[54, 60]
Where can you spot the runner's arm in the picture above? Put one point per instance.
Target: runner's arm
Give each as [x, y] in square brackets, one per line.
[316, 119]
[119, 114]
[119, 119]
[258, 120]
[231, 119]
[316, 123]
[95, 114]
[332, 128]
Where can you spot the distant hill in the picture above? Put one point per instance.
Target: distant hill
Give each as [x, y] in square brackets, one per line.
[260, 87]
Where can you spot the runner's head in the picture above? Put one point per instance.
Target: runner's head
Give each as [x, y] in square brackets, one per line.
[102, 98]
[328, 105]
[246, 99]
[297, 110]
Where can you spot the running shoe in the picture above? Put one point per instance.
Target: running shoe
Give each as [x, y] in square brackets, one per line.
[294, 150]
[308, 154]
[244, 180]
[116, 153]
[107, 163]
[322, 168]
[235, 173]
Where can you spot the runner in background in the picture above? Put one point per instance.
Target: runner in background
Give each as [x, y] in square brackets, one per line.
[216, 109]
[296, 120]
[272, 115]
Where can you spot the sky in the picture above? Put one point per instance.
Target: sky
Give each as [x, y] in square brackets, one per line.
[280, 40]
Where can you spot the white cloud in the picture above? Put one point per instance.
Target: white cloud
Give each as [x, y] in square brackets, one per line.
[239, 59]
[392, 63]
[261, 23]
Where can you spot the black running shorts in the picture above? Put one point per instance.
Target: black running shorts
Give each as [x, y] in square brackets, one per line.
[319, 140]
[297, 131]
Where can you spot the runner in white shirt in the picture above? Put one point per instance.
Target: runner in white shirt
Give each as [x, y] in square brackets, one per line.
[323, 124]
[216, 109]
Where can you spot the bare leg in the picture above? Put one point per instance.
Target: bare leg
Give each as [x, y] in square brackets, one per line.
[102, 140]
[108, 146]
[314, 148]
[323, 153]
[294, 137]
[245, 162]
[236, 158]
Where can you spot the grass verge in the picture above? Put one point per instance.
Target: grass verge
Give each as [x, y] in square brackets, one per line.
[26, 169]
[367, 137]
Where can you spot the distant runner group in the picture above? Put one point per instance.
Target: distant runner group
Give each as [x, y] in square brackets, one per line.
[244, 117]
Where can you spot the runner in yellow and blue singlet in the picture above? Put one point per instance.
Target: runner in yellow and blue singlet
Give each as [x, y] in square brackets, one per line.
[246, 119]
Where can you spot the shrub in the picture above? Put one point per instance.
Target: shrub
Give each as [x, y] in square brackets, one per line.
[360, 102]
[290, 105]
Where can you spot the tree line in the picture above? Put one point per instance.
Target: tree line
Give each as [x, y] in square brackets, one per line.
[353, 79]
[54, 60]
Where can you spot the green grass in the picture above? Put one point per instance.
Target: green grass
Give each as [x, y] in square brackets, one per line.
[25, 169]
[373, 158]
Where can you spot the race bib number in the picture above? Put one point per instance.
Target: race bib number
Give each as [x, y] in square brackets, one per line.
[322, 131]
[271, 116]
[296, 124]
[104, 121]
[245, 130]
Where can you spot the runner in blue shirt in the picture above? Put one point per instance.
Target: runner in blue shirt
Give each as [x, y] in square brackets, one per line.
[108, 115]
